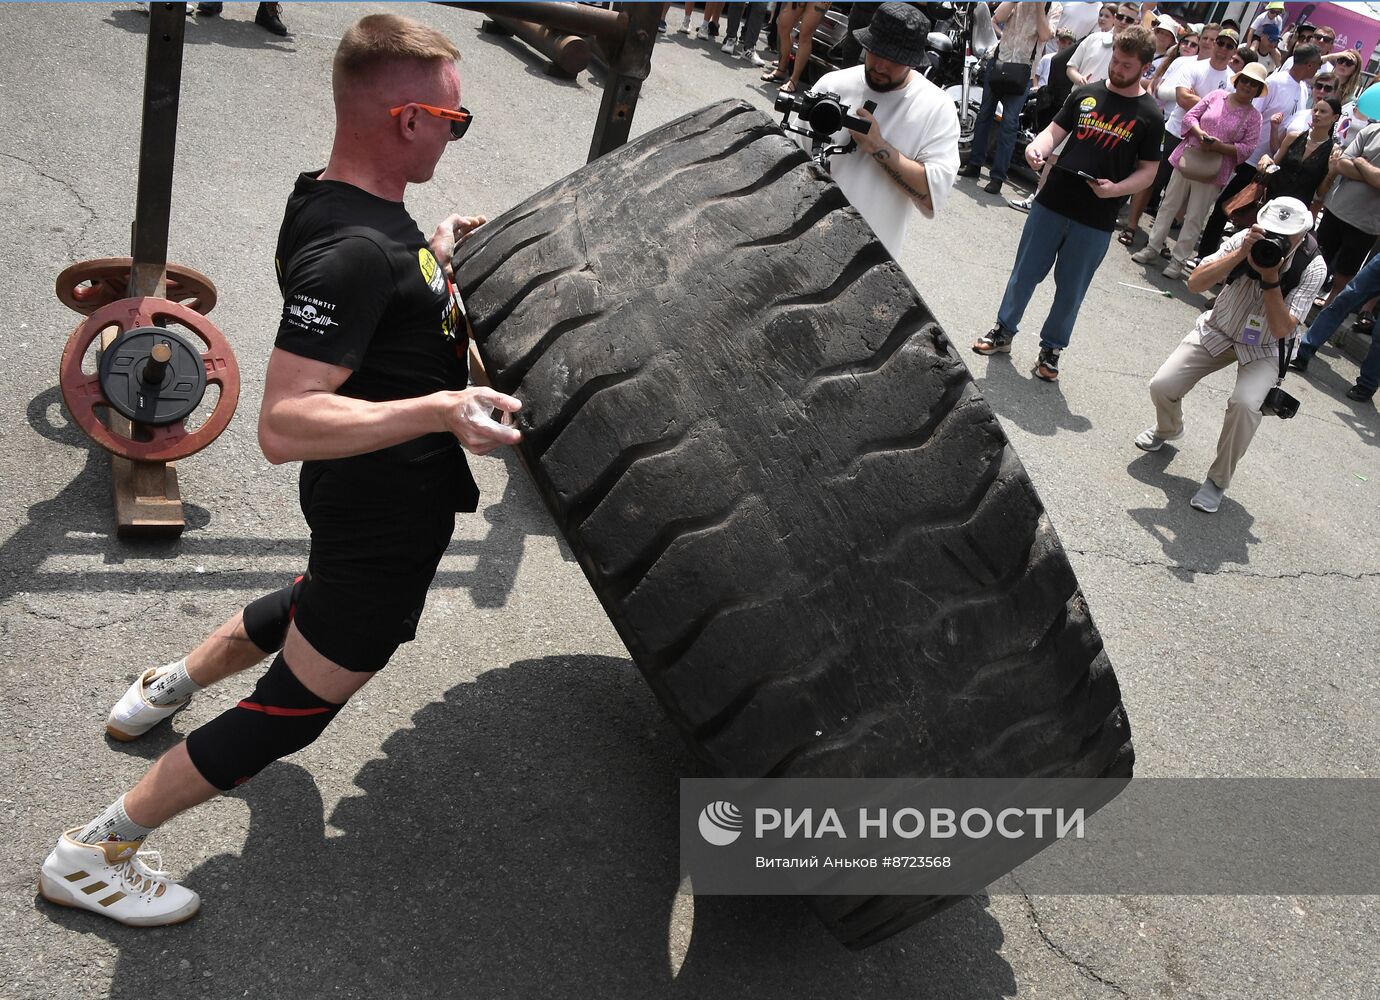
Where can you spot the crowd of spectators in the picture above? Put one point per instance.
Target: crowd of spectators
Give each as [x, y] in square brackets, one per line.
[1227, 139]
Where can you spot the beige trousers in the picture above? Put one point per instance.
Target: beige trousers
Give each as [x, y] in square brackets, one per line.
[1186, 367]
[1200, 197]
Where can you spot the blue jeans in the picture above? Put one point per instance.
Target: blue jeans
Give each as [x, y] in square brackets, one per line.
[1073, 250]
[1006, 139]
[1360, 290]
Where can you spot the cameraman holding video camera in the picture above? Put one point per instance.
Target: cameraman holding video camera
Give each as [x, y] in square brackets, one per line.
[1272, 273]
[908, 158]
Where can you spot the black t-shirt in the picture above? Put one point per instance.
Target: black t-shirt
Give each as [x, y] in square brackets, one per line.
[1109, 135]
[1060, 86]
[361, 289]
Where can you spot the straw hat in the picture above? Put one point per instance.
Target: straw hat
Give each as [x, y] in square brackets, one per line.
[1254, 71]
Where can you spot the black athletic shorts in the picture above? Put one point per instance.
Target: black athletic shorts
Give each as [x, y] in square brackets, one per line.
[378, 531]
[1343, 246]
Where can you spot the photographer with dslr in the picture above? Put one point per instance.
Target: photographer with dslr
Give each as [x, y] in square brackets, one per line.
[1271, 272]
[908, 157]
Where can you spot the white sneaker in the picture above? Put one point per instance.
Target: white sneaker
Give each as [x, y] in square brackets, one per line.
[728, 45]
[133, 716]
[1173, 270]
[112, 879]
[757, 60]
[685, 26]
[1146, 255]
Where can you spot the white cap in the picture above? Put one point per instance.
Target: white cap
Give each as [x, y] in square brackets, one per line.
[1285, 217]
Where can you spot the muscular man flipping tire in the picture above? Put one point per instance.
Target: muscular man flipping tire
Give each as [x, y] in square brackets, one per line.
[366, 387]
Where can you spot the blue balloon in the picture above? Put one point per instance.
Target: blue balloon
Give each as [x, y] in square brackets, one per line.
[1368, 103]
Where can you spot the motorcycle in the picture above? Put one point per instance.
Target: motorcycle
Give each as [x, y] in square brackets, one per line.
[956, 63]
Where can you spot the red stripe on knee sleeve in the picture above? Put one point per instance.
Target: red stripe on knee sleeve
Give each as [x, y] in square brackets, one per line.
[275, 710]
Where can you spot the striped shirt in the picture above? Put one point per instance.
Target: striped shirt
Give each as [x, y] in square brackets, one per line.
[1240, 309]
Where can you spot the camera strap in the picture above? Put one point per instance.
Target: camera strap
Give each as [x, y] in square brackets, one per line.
[1284, 353]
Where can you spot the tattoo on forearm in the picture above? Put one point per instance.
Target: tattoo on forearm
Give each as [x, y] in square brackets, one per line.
[883, 157]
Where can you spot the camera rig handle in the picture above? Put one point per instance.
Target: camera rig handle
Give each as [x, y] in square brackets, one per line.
[850, 122]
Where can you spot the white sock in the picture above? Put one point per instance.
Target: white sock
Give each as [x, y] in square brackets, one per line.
[171, 685]
[113, 824]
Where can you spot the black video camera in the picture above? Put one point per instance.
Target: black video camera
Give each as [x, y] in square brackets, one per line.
[825, 114]
[824, 111]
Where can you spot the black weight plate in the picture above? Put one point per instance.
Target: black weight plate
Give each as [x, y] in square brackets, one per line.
[179, 392]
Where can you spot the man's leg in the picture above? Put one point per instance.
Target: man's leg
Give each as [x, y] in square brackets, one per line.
[1035, 255]
[1253, 381]
[1082, 252]
[1011, 108]
[1182, 370]
[242, 741]
[240, 642]
[987, 114]
[1361, 288]
[96, 866]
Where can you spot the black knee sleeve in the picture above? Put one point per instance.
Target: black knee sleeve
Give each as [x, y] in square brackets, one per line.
[266, 620]
[279, 718]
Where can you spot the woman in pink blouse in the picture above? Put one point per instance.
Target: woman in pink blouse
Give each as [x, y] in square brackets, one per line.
[1220, 131]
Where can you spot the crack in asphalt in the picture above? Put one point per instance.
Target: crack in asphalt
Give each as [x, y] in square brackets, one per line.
[1082, 967]
[1223, 571]
[71, 189]
[49, 616]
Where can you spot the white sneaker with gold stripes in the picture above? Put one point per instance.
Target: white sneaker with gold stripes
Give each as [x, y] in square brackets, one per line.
[114, 880]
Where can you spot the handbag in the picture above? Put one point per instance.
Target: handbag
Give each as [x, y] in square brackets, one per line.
[1198, 164]
[1243, 207]
[1007, 79]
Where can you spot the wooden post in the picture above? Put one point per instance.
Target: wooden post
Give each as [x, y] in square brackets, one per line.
[146, 495]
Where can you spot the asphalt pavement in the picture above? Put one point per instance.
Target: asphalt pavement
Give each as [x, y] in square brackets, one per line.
[495, 815]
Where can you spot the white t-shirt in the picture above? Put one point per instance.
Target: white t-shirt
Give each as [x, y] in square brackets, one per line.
[1042, 70]
[1285, 96]
[1265, 18]
[920, 120]
[1094, 55]
[1199, 77]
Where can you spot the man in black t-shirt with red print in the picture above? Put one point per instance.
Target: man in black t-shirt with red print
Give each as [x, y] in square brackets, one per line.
[1114, 134]
[366, 387]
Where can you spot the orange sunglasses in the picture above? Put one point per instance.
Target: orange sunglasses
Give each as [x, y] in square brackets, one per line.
[459, 120]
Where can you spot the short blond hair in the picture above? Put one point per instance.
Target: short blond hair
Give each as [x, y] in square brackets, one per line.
[384, 41]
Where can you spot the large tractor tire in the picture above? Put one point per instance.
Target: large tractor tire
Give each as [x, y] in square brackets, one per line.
[804, 521]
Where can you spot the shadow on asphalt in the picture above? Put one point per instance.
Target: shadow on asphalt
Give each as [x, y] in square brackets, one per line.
[519, 839]
[236, 32]
[1195, 542]
[1035, 406]
[80, 521]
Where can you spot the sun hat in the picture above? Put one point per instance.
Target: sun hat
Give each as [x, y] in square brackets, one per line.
[1166, 23]
[897, 33]
[1253, 71]
[1284, 217]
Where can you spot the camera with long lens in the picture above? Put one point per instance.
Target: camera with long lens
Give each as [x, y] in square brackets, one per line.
[825, 114]
[1269, 251]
